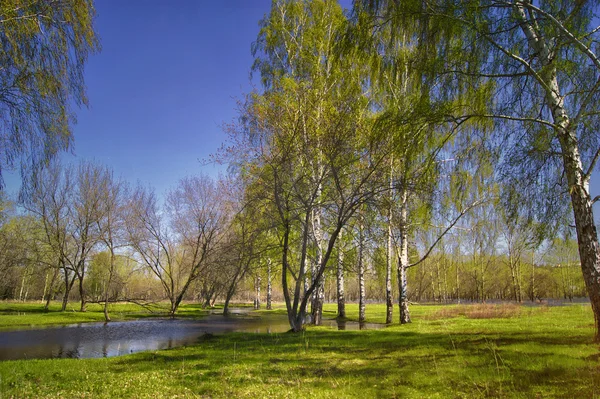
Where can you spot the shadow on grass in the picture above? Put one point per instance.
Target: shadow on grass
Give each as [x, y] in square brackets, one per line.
[462, 364]
[19, 308]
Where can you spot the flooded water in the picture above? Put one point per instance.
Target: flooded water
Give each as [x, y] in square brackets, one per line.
[92, 340]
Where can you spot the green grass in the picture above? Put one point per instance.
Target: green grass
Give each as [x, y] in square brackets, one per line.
[30, 314]
[447, 352]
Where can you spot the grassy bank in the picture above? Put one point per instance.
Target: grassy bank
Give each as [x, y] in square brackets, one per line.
[29, 314]
[447, 352]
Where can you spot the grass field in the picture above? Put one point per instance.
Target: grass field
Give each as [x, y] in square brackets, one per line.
[30, 314]
[471, 351]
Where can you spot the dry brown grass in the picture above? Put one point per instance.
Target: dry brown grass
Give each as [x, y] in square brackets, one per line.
[480, 311]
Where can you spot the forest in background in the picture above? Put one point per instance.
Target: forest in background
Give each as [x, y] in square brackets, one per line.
[451, 275]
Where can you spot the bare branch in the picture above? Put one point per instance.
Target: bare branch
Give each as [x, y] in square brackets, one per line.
[448, 228]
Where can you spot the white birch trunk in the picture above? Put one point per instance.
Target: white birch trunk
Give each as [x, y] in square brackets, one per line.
[45, 287]
[362, 300]
[389, 300]
[341, 300]
[257, 282]
[319, 295]
[269, 285]
[403, 259]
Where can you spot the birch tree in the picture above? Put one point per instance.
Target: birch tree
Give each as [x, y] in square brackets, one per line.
[420, 134]
[542, 72]
[309, 133]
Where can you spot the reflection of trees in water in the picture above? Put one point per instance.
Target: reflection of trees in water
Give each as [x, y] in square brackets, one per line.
[69, 351]
[100, 340]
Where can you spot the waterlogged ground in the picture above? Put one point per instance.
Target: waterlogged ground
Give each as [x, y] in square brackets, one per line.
[120, 338]
[93, 340]
[492, 351]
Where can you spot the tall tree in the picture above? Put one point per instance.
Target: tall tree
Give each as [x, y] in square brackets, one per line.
[47, 195]
[245, 239]
[86, 208]
[43, 48]
[111, 220]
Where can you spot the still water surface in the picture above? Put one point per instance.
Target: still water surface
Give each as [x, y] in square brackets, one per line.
[89, 340]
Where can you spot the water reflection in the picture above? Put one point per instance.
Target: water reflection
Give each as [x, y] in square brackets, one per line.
[92, 340]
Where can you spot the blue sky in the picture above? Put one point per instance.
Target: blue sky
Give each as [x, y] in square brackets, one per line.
[166, 80]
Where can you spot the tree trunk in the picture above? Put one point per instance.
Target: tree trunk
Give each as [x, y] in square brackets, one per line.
[297, 321]
[68, 286]
[269, 285]
[587, 236]
[532, 293]
[107, 286]
[239, 275]
[319, 293]
[82, 295]
[518, 281]
[389, 299]
[226, 305]
[173, 309]
[445, 281]
[457, 282]
[388, 277]
[45, 287]
[341, 300]
[439, 281]
[514, 277]
[49, 297]
[482, 272]
[65, 300]
[106, 315]
[587, 239]
[403, 260]
[175, 302]
[433, 281]
[319, 299]
[362, 300]
[20, 296]
[257, 281]
[23, 282]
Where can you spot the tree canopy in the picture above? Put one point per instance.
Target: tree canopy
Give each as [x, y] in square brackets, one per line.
[43, 49]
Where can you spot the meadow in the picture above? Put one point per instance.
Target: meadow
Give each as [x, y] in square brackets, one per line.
[448, 351]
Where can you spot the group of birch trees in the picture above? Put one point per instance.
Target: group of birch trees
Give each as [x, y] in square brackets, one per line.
[420, 117]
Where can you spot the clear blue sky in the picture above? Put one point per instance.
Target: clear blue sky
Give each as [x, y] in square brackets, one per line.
[166, 80]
